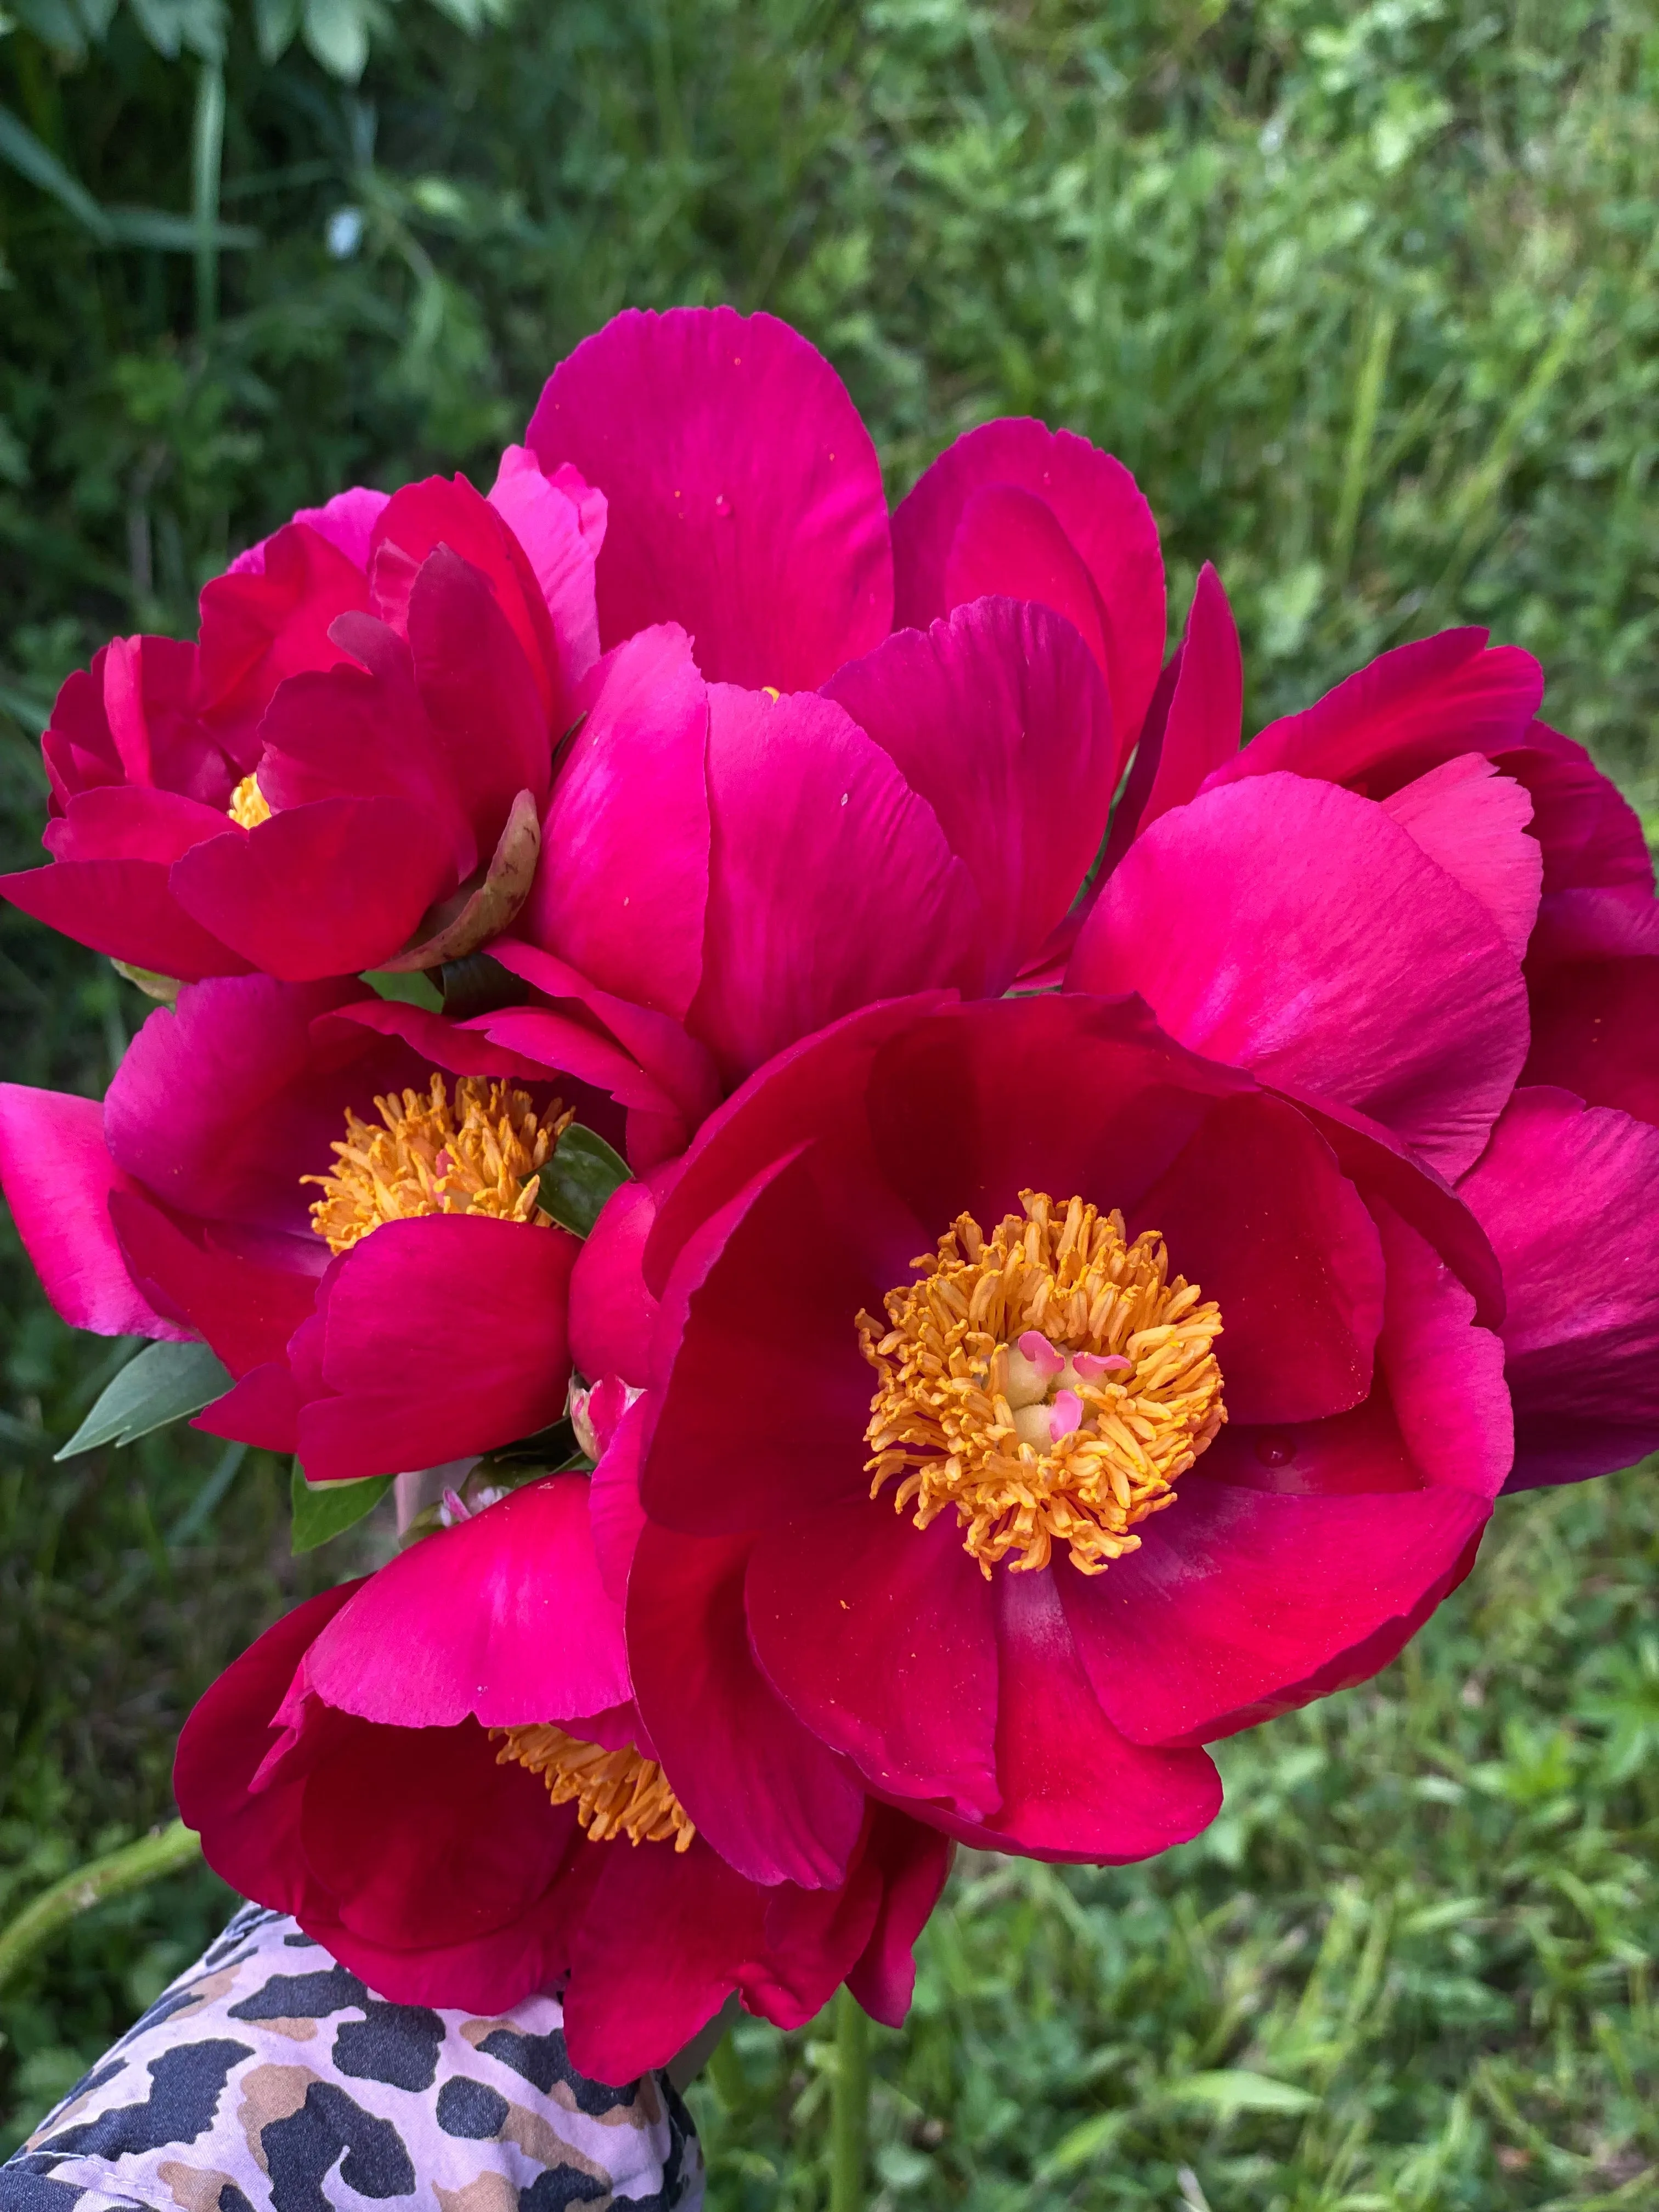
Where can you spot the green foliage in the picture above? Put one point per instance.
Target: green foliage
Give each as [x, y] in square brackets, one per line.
[160, 1384]
[1365, 294]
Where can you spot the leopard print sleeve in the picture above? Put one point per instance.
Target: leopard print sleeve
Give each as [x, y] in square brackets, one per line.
[268, 2079]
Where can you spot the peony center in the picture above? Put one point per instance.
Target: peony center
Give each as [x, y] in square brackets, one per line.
[1051, 1382]
[617, 1793]
[482, 1153]
[248, 805]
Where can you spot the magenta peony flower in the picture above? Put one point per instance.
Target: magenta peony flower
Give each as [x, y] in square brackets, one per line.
[441, 1774]
[296, 1175]
[1420, 819]
[355, 755]
[1181, 1417]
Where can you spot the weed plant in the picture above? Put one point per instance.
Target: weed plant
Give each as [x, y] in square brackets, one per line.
[1366, 296]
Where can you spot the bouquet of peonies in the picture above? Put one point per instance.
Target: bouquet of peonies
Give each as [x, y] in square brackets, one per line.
[922, 1235]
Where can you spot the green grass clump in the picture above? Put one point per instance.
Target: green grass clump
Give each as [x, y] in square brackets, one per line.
[1366, 295]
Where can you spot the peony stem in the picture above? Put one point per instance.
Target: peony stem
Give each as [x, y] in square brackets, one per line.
[849, 2108]
[153, 1855]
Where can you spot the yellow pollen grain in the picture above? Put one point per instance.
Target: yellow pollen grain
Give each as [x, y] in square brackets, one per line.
[617, 1793]
[248, 805]
[481, 1154]
[941, 1421]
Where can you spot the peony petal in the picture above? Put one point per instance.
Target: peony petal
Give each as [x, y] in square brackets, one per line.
[1289, 927]
[1591, 834]
[622, 888]
[125, 909]
[1097, 504]
[324, 889]
[131, 821]
[1255, 1211]
[489, 705]
[998, 718]
[58, 1179]
[879, 1637]
[766, 1402]
[260, 626]
[502, 1618]
[447, 516]
[1473, 822]
[612, 1311]
[667, 1940]
[1206, 718]
[1073, 1788]
[560, 530]
[244, 1309]
[746, 499]
[1010, 544]
[1236, 1596]
[347, 521]
[770, 1798]
[613, 1501]
[444, 1336]
[1405, 712]
[913, 1861]
[1569, 1196]
[830, 881]
[1595, 1021]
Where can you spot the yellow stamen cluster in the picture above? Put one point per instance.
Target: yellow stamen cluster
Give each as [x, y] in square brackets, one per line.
[617, 1793]
[948, 1361]
[483, 1155]
[248, 803]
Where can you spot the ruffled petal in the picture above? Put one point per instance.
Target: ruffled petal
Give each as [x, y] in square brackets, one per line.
[831, 882]
[243, 1309]
[262, 626]
[501, 1620]
[561, 526]
[1473, 822]
[998, 717]
[1569, 1196]
[1290, 926]
[1404, 713]
[945, 534]
[913, 1861]
[746, 499]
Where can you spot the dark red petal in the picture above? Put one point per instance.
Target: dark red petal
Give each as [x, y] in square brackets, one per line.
[769, 1798]
[1569, 1196]
[1238, 1595]
[324, 890]
[612, 1311]
[1073, 1787]
[1256, 1211]
[443, 1338]
[125, 910]
[879, 1637]
[1201, 730]
[260, 626]
[245, 1309]
[914, 1861]
[1095, 501]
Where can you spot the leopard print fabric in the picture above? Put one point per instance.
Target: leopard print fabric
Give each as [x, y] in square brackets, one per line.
[268, 2079]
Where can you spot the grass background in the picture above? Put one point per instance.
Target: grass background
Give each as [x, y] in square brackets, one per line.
[1366, 296]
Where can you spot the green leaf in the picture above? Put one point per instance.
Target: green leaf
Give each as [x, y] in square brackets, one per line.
[176, 233]
[20, 145]
[582, 1174]
[162, 1384]
[1080, 2146]
[337, 31]
[1230, 2089]
[322, 1510]
[276, 22]
[408, 987]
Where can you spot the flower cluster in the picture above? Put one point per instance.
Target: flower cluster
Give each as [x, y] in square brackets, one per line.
[945, 1233]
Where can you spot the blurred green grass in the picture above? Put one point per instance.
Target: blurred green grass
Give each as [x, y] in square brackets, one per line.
[1366, 296]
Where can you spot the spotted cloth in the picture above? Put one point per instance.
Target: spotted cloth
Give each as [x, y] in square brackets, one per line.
[268, 2079]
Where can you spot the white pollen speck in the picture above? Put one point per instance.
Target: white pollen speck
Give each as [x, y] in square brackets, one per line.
[624, 901]
[845, 796]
